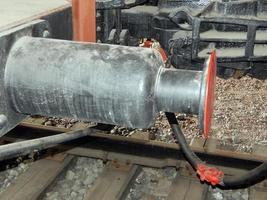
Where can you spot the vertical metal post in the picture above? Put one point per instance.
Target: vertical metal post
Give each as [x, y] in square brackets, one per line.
[118, 24]
[84, 20]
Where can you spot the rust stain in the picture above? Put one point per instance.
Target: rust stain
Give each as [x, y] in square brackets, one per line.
[84, 20]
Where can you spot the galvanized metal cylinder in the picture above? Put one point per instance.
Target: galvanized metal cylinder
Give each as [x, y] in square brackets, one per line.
[110, 84]
[179, 91]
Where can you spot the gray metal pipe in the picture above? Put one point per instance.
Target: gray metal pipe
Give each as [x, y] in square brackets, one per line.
[26, 147]
[187, 82]
[110, 84]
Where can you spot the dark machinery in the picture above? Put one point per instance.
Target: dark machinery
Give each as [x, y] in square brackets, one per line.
[189, 29]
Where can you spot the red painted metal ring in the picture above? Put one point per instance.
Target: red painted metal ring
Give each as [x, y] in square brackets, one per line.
[210, 92]
[207, 94]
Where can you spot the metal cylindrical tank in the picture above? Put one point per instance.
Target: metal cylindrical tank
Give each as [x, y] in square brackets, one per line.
[110, 84]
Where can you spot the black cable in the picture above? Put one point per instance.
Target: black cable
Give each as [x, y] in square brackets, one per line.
[188, 153]
[251, 178]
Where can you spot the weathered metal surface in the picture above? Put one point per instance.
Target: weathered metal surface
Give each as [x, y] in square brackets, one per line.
[109, 84]
[7, 39]
[22, 18]
[104, 83]
[9, 151]
[17, 12]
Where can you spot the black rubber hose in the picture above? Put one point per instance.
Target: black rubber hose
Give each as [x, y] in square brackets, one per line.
[188, 153]
[251, 178]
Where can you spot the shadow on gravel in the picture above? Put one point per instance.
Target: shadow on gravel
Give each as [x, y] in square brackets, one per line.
[259, 72]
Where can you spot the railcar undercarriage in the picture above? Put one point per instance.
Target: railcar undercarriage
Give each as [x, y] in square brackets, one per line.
[188, 30]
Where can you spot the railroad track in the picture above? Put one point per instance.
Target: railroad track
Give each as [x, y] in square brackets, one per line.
[125, 159]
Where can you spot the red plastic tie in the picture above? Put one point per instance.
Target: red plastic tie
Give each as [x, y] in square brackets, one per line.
[209, 174]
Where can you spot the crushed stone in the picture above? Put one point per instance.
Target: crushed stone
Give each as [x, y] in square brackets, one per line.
[218, 194]
[76, 180]
[9, 176]
[152, 184]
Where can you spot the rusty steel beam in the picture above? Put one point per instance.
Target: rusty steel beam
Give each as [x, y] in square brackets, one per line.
[84, 20]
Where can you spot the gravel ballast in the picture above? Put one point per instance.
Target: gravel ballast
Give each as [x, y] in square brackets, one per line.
[217, 194]
[9, 176]
[240, 115]
[152, 184]
[76, 180]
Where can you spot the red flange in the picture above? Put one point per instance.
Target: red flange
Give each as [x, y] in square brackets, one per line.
[210, 92]
[207, 94]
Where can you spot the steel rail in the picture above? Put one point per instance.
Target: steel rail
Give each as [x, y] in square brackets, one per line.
[106, 146]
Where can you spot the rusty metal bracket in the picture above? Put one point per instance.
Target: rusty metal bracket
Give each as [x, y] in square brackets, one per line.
[84, 20]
